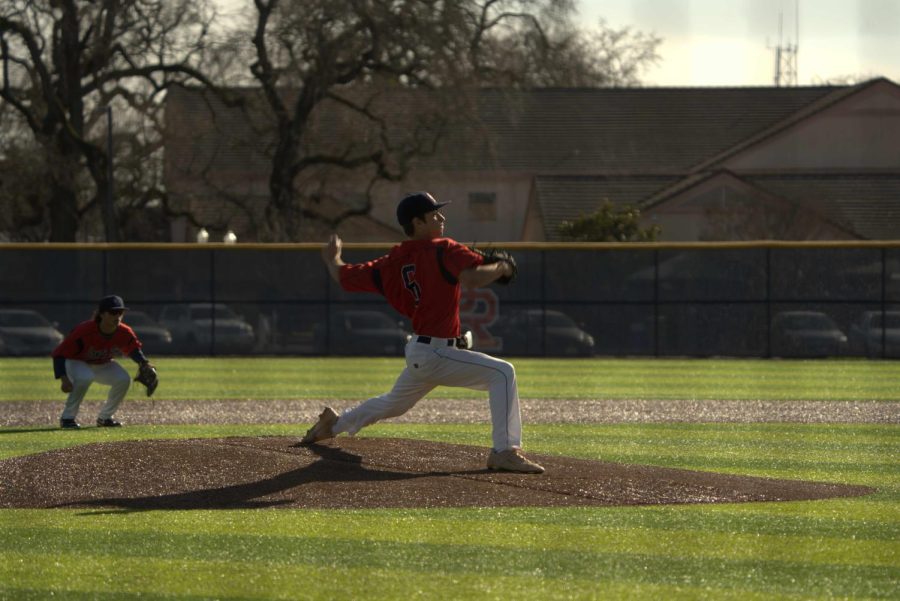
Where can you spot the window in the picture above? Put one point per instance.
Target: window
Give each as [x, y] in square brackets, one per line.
[482, 206]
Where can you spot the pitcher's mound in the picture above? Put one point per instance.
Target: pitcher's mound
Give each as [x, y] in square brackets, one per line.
[233, 473]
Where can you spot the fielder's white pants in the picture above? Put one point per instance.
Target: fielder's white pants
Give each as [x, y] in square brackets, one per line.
[438, 364]
[84, 374]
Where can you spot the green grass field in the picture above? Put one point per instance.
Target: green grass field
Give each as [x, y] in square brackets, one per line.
[839, 549]
[355, 378]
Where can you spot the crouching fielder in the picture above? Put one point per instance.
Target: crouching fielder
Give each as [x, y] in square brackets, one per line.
[86, 355]
[421, 278]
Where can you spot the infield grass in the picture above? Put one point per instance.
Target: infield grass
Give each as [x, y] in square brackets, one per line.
[828, 549]
[226, 378]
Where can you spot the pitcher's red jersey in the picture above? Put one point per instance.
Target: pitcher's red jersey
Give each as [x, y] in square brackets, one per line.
[420, 279]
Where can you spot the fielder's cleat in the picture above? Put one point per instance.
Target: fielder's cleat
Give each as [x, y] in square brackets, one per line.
[323, 427]
[69, 424]
[512, 460]
[107, 423]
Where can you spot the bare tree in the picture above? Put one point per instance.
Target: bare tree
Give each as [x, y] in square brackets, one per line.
[849, 79]
[22, 187]
[64, 62]
[546, 50]
[339, 56]
[361, 57]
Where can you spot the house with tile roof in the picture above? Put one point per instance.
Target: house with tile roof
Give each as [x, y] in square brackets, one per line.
[794, 163]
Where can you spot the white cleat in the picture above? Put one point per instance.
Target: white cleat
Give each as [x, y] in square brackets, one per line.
[512, 460]
[322, 430]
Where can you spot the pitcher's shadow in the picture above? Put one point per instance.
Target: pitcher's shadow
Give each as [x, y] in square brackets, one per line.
[334, 465]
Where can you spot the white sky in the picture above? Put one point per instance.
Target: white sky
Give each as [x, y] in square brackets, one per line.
[731, 42]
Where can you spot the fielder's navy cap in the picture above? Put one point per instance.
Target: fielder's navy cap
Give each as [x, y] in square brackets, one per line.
[111, 303]
[415, 205]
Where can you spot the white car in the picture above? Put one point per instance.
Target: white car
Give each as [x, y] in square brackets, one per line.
[26, 332]
[191, 325]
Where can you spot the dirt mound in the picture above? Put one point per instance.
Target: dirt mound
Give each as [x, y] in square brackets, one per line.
[233, 473]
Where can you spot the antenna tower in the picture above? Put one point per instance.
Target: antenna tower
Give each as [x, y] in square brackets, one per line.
[786, 52]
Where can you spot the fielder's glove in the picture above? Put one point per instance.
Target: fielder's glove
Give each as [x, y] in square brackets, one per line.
[147, 376]
[497, 255]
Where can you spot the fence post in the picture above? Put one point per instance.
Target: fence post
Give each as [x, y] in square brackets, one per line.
[883, 303]
[656, 302]
[768, 302]
[543, 303]
[212, 300]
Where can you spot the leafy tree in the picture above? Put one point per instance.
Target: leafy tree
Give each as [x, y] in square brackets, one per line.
[609, 224]
[65, 61]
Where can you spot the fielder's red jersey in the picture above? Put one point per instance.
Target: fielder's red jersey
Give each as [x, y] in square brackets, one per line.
[420, 279]
[87, 343]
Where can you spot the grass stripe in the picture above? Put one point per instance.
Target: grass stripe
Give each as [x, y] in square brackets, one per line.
[496, 589]
[598, 378]
[835, 518]
[207, 563]
[686, 543]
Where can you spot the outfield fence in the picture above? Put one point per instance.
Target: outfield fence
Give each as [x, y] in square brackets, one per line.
[762, 299]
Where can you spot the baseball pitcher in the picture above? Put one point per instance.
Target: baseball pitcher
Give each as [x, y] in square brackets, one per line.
[422, 278]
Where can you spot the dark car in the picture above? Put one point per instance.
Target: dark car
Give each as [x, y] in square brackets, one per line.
[360, 332]
[873, 328]
[191, 326]
[542, 332]
[27, 332]
[807, 334]
[153, 336]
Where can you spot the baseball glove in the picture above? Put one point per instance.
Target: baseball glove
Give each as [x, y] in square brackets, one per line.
[147, 376]
[496, 255]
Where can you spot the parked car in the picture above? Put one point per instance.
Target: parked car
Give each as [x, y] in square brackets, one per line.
[360, 332]
[873, 327]
[26, 332]
[538, 332]
[806, 334]
[154, 337]
[191, 326]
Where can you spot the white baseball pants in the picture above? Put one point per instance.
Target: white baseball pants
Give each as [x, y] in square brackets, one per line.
[84, 374]
[440, 364]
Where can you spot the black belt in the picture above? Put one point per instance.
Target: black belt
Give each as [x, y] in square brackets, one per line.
[427, 340]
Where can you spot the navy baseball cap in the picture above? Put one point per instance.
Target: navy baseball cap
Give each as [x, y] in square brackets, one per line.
[416, 205]
[111, 303]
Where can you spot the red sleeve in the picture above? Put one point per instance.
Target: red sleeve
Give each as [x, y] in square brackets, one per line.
[458, 257]
[363, 277]
[127, 340]
[69, 347]
[66, 348]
